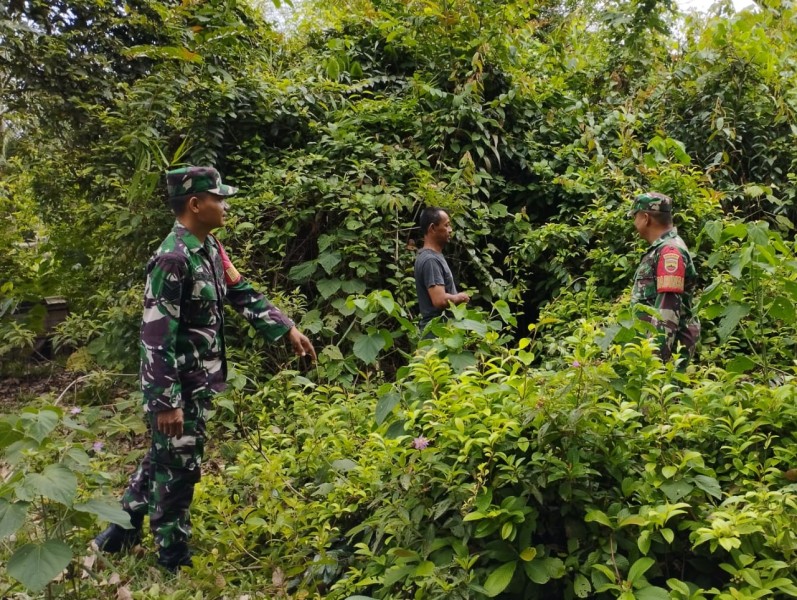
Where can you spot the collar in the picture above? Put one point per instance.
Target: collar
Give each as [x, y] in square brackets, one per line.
[189, 239]
[667, 235]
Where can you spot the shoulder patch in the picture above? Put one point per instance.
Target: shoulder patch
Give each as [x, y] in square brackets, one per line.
[231, 274]
[670, 271]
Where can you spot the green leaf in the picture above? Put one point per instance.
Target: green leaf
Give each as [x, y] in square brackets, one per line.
[554, 567]
[344, 464]
[669, 471]
[528, 554]
[164, 52]
[329, 260]
[367, 347]
[40, 424]
[581, 586]
[387, 302]
[353, 286]
[740, 364]
[737, 230]
[598, 516]
[303, 271]
[471, 325]
[500, 578]
[56, 482]
[385, 406]
[651, 593]
[106, 510]
[679, 586]
[782, 309]
[8, 434]
[12, 517]
[396, 573]
[327, 287]
[425, 569]
[36, 565]
[505, 312]
[709, 485]
[639, 568]
[733, 314]
[462, 360]
[536, 571]
[676, 490]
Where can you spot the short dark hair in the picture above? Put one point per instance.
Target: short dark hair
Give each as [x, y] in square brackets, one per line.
[178, 204]
[663, 218]
[431, 215]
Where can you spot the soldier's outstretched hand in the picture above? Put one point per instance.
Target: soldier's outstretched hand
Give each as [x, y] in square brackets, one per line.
[301, 344]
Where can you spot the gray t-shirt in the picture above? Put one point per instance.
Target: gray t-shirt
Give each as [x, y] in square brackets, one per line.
[431, 269]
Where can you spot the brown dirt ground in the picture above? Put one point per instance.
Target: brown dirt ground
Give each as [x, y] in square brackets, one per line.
[31, 381]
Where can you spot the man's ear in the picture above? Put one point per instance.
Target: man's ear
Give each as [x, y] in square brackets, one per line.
[193, 204]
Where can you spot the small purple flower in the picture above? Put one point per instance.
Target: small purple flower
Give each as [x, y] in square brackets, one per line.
[75, 410]
[420, 442]
[98, 446]
[575, 364]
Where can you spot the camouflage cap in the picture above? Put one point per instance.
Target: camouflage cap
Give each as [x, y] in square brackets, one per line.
[194, 180]
[652, 201]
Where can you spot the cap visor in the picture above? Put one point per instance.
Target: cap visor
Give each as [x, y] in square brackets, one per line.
[224, 190]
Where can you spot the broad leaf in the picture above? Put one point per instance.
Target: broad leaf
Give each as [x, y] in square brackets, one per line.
[344, 464]
[40, 424]
[581, 586]
[676, 490]
[709, 485]
[740, 364]
[56, 482]
[107, 510]
[499, 579]
[303, 271]
[733, 314]
[329, 260]
[367, 347]
[652, 593]
[536, 571]
[385, 406]
[327, 287]
[36, 565]
[639, 568]
[12, 517]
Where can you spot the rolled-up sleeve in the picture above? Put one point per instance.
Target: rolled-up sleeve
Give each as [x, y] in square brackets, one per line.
[255, 308]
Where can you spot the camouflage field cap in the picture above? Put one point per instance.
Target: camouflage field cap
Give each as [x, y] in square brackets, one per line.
[652, 201]
[193, 180]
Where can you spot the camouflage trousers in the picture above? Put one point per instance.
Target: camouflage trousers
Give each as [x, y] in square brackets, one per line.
[163, 484]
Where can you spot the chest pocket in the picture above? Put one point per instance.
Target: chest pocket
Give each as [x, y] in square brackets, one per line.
[644, 283]
[203, 301]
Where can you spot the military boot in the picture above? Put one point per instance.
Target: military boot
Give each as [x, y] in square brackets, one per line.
[175, 556]
[116, 538]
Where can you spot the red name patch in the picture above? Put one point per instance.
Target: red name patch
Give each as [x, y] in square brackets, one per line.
[671, 271]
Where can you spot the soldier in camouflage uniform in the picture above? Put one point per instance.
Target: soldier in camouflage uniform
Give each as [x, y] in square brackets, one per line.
[183, 361]
[666, 278]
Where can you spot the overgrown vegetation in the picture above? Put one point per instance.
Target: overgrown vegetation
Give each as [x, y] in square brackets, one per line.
[538, 448]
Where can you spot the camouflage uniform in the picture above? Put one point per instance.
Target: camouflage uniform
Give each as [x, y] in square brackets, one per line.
[183, 360]
[666, 280]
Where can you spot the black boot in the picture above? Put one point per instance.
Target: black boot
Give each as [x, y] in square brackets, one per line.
[175, 556]
[116, 538]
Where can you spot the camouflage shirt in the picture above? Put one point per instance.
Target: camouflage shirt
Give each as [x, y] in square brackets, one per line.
[182, 331]
[666, 280]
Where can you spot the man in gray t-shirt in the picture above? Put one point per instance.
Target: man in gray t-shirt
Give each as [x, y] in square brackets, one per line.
[433, 280]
